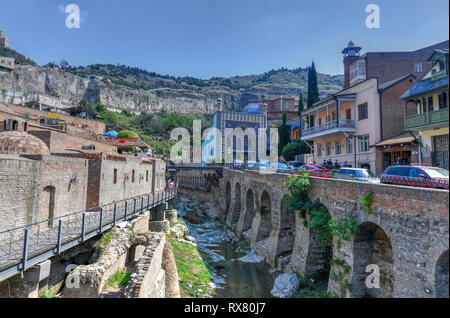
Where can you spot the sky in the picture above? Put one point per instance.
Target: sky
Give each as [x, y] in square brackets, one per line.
[219, 38]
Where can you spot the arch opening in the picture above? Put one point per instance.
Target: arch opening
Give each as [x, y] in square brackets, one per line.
[372, 246]
[441, 276]
[227, 199]
[48, 205]
[265, 225]
[237, 205]
[249, 210]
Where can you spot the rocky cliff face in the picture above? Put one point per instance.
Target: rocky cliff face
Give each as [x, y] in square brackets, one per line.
[160, 93]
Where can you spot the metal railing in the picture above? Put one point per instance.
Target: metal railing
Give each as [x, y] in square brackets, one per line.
[25, 246]
[343, 123]
[429, 118]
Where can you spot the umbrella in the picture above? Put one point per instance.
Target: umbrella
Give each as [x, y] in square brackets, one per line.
[111, 133]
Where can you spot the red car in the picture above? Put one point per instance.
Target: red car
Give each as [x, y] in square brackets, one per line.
[416, 176]
[314, 171]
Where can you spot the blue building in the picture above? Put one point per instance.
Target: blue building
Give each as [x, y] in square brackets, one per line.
[254, 116]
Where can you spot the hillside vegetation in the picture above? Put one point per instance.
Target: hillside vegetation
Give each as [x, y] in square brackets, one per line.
[237, 90]
[152, 128]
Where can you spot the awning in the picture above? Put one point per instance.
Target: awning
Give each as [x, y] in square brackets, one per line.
[404, 138]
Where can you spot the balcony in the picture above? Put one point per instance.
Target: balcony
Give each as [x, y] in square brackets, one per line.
[332, 127]
[427, 120]
[438, 75]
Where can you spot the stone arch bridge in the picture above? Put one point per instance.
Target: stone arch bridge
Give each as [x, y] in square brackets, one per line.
[406, 236]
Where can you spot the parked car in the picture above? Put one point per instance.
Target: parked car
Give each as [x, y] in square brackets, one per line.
[252, 164]
[295, 165]
[314, 171]
[238, 163]
[283, 168]
[359, 174]
[416, 176]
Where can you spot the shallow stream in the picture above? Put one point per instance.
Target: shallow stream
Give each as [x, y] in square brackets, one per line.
[237, 272]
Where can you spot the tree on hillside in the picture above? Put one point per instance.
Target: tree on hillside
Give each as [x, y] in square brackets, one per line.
[313, 88]
[284, 134]
[294, 149]
[301, 105]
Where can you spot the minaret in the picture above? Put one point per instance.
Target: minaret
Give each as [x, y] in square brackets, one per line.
[351, 54]
[219, 104]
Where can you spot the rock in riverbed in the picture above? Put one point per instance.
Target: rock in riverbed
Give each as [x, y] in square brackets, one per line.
[285, 285]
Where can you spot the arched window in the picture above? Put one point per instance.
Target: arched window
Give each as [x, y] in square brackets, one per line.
[133, 174]
[115, 176]
[48, 204]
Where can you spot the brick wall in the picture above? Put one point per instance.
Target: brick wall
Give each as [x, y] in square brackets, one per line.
[20, 191]
[102, 189]
[56, 141]
[68, 177]
[92, 125]
[392, 109]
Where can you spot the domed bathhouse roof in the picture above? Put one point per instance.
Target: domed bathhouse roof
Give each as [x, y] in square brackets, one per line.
[14, 139]
[20, 142]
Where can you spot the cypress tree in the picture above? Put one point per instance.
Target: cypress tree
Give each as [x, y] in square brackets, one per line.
[284, 134]
[301, 105]
[313, 88]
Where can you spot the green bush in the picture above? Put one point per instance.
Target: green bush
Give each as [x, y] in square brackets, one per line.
[297, 148]
[127, 134]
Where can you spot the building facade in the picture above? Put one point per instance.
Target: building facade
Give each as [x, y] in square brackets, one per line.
[219, 145]
[347, 127]
[426, 111]
[276, 107]
[4, 40]
[7, 63]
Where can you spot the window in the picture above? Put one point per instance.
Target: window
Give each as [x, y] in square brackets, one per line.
[430, 104]
[320, 121]
[311, 121]
[333, 116]
[348, 114]
[338, 147]
[364, 144]
[133, 176]
[443, 100]
[424, 105]
[146, 176]
[363, 111]
[349, 146]
[319, 150]
[418, 67]
[415, 172]
[115, 176]
[328, 148]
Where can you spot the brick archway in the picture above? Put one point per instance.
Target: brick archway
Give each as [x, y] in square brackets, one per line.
[265, 209]
[441, 275]
[236, 209]
[250, 208]
[227, 199]
[372, 246]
